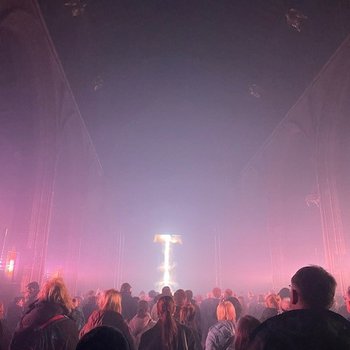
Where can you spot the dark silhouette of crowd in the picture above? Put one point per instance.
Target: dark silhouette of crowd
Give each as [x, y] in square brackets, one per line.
[304, 316]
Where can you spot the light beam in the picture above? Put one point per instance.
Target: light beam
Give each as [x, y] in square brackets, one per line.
[167, 266]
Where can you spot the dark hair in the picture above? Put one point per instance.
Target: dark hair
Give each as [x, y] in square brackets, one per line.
[189, 295]
[166, 290]
[103, 338]
[180, 297]
[245, 327]
[187, 315]
[125, 288]
[34, 286]
[142, 308]
[316, 286]
[237, 305]
[166, 308]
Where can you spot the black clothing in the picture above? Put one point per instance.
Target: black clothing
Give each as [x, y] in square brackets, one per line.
[108, 318]
[13, 316]
[45, 326]
[129, 306]
[151, 339]
[303, 330]
[78, 317]
[268, 313]
[89, 307]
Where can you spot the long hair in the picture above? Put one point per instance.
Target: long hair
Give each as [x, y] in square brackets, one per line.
[54, 290]
[245, 327]
[111, 300]
[166, 308]
[226, 311]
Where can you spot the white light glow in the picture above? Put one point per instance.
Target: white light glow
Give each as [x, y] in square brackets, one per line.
[167, 265]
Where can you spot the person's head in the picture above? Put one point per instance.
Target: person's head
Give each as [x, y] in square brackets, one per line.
[103, 338]
[228, 293]
[284, 299]
[187, 314]
[54, 290]
[152, 294]
[166, 291]
[125, 288]
[217, 292]
[226, 311]
[142, 308]
[272, 301]
[110, 300]
[312, 287]
[165, 306]
[31, 290]
[76, 301]
[180, 298]
[189, 295]
[245, 327]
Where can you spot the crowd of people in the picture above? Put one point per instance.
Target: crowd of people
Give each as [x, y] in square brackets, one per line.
[303, 316]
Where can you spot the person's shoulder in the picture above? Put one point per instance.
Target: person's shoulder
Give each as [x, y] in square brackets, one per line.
[304, 327]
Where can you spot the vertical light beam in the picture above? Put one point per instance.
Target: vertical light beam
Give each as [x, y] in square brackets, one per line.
[167, 266]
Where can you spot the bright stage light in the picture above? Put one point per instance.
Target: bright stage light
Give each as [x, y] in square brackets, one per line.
[167, 266]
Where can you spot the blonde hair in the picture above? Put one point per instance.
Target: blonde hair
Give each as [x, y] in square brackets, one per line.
[226, 311]
[55, 290]
[111, 300]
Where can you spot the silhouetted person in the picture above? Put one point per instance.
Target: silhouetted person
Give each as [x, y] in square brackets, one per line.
[245, 328]
[309, 325]
[89, 305]
[129, 304]
[167, 334]
[188, 318]
[77, 313]
[272, 307]
[141, 322]
[180, 301]
[103, 338]
[109, 314]
[46, 324]
[197, 314]
[166, 291]
[30, 294]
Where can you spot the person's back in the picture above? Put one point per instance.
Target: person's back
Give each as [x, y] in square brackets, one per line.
[167, 334]
[303, 330]
[310, 324]
[46, 325]
[208, 312]
[129, 304]
[103, 338]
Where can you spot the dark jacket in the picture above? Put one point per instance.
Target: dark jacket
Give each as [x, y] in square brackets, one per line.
[108, 318]
[129, 306]
[151, 339]
[45, 326]
[303, 330]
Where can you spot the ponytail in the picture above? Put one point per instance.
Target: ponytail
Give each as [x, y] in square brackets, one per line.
[166, 307]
